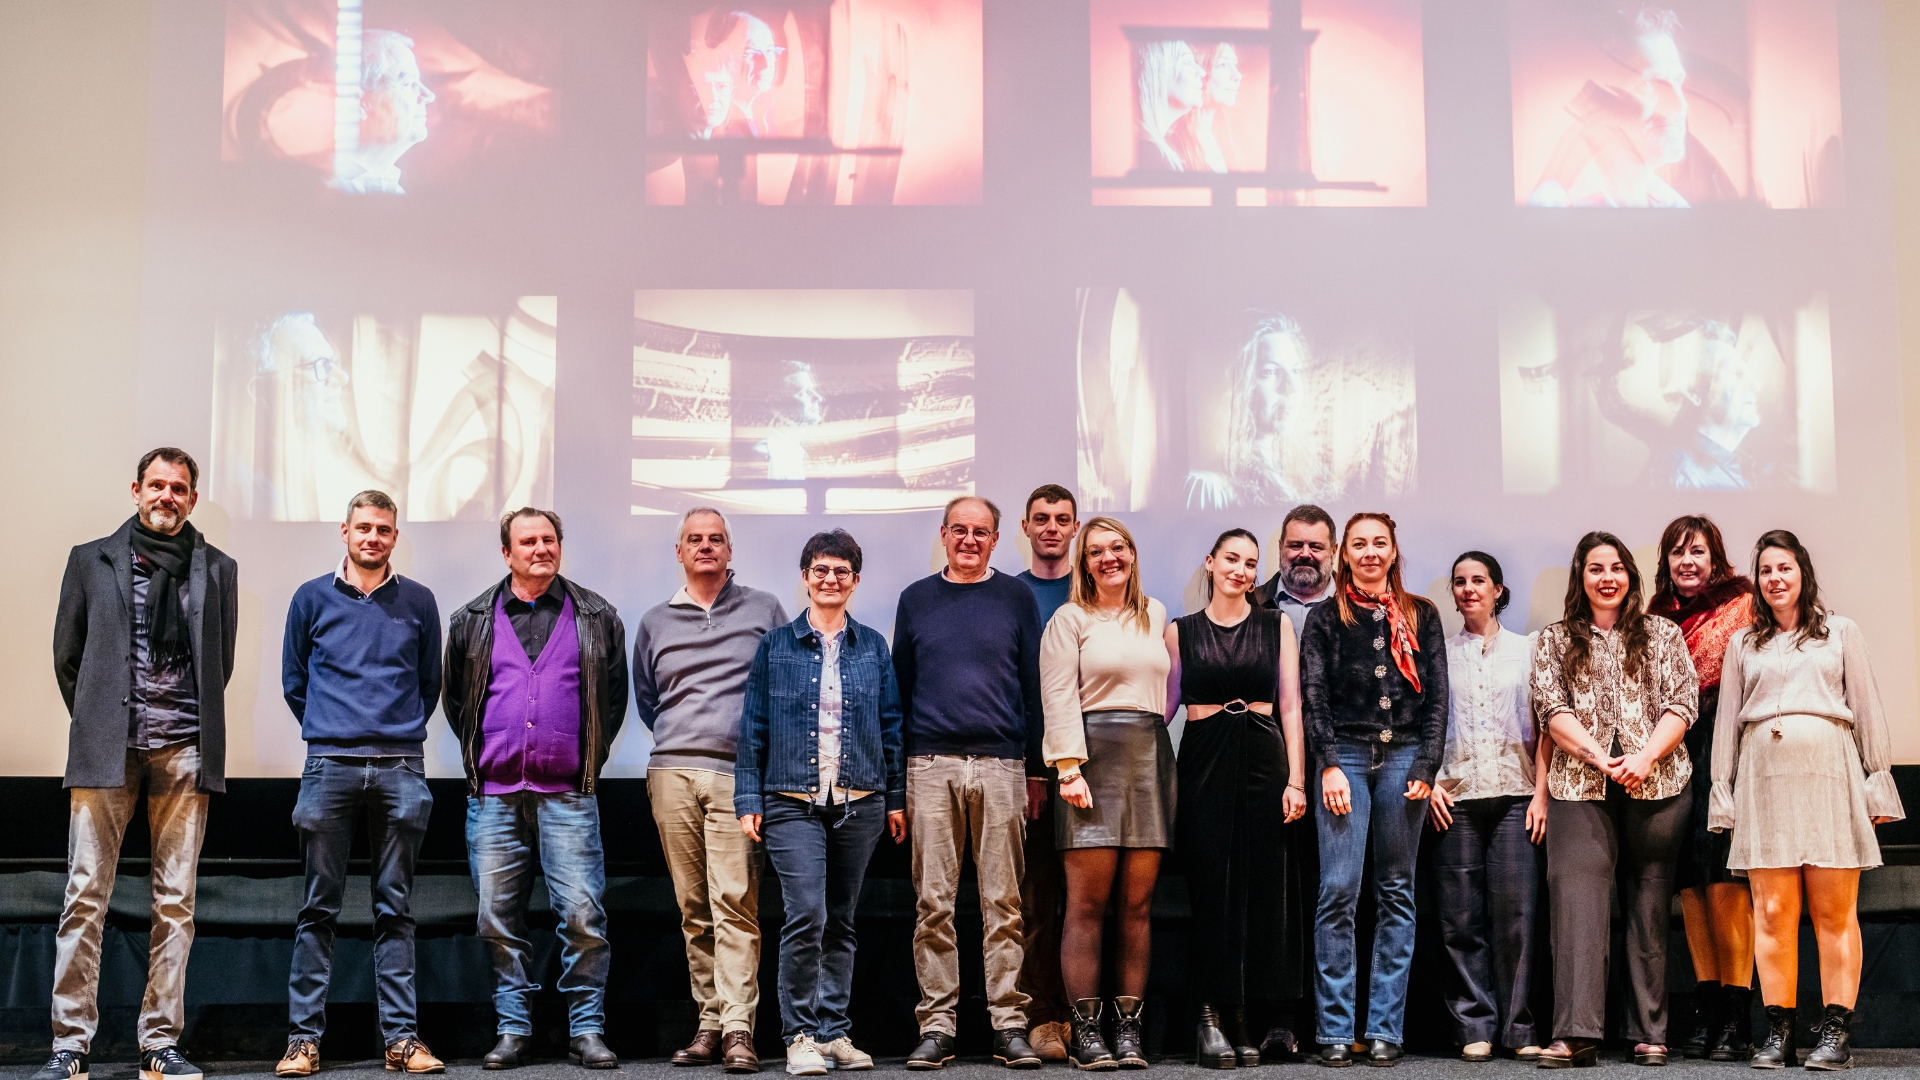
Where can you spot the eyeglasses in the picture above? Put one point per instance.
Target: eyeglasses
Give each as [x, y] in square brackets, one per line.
[837, 573]
[961, 532]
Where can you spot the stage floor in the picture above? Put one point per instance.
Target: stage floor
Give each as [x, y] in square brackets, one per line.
[1903, 1062]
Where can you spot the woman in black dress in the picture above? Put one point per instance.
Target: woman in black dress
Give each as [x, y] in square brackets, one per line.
[1236, 668]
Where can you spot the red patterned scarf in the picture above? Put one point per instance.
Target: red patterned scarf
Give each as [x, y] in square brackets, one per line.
[1401, 641]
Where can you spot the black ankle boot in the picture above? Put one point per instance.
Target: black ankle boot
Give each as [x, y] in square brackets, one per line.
[1836, 1036]
[1088, 1050]
[1129, 1048]
[1778, 1050]
[1733, 1040]
[1211, 1050]
[1706, 1019]
[1244, 1049]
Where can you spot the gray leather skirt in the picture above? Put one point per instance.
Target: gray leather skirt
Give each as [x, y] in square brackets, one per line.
[1129, 770]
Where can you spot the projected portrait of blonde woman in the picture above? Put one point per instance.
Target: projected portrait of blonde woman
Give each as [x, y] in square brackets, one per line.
[1678, 104]
[1169, 84]
[1676, 400]
[451, 413]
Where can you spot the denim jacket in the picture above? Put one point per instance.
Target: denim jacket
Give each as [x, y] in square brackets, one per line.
[780, 743]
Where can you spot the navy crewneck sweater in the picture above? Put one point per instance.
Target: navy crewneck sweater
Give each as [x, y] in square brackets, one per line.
[967, 658]
[362, 673]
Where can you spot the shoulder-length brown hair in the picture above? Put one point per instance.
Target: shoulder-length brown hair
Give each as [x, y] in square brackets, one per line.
[1665, 593]
[1813, 617]
[1578, 614]
[1085, 594]
[1343, 573]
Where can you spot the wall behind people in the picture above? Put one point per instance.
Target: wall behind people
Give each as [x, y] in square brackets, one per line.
[140, 268]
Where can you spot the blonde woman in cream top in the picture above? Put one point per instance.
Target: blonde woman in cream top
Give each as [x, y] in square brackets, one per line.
[1103, 686]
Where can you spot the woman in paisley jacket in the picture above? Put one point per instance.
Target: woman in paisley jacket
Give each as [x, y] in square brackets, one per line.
[1615, 690]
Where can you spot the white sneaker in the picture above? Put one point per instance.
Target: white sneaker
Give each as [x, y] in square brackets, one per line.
[842, 1054]
[803, 1057]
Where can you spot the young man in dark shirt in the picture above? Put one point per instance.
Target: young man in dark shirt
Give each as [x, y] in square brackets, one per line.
[966, 650]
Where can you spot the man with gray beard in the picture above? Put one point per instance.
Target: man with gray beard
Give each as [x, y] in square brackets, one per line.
[1303, 580]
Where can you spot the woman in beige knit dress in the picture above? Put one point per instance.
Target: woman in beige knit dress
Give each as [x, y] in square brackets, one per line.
[1801, 775]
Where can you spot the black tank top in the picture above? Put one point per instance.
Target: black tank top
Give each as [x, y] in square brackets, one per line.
[1219, 664]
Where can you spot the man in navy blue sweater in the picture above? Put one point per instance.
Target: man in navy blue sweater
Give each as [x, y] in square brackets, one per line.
[966, 651]
[361, 670]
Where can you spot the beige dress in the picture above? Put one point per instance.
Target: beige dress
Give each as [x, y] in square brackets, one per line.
[1804, 769]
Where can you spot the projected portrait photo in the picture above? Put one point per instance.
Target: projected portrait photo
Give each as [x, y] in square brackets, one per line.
[450, 413]
[802, 401]
[1258, 103]
[1673, 400]
[384, 96]
[1676, 103]
[1208, 406]
[826, 102]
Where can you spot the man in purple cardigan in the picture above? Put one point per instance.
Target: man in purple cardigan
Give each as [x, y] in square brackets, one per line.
[536, 688]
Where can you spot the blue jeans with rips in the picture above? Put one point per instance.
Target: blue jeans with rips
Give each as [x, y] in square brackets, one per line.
[1377, 775]
[821, 855]
[509, 837]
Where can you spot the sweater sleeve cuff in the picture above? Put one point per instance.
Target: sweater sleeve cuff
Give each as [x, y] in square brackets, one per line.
[1883, 798]
[1324, 757]
[1068, 767]
[1720, 807]
[1423, 770]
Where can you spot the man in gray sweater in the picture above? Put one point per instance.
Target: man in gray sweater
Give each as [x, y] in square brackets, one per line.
[690, 661]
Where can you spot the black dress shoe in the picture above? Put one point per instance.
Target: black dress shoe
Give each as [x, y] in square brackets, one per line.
[1384, 1054]
[508, 1053]
[590, 1051]
[1010, 1048]
[934, 1051]
[706, 1042]
[1336, 1055]
[1279, 1045]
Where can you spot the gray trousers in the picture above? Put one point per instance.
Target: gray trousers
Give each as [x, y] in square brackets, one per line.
[1488, 874]
[96, 824]
[1590, 847]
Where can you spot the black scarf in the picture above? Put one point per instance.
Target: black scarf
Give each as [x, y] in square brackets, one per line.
[169, 561]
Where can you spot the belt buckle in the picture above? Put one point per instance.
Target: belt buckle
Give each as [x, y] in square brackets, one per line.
[1235, 707]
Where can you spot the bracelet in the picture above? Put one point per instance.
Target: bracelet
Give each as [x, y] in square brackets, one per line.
[1302, 788]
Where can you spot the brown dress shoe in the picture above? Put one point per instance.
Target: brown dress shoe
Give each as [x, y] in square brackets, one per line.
[701, 1050]
[302, 1058]
[410, 1055]
[736, 1052]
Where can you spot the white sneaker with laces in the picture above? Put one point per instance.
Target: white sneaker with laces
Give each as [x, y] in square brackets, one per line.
[803, 1057]
[842, 1054]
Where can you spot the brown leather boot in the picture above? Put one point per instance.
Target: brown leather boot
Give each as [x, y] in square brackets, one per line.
[701, 1051]
[736, 1052]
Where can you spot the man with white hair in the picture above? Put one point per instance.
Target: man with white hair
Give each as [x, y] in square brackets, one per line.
[690, 661]
[393, 116]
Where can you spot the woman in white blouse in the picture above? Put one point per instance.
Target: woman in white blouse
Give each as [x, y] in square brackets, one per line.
[1103, 681]
[1801, 778]
[1490, 804]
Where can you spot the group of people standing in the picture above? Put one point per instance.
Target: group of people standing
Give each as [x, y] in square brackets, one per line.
[1021, 722]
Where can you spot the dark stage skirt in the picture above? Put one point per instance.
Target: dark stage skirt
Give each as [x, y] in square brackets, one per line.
[1703, 854]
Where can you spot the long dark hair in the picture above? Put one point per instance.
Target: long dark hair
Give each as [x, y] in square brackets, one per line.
[1666, 595]
[1813, 617]
[1578, 615]
[1230, 534]
[1343, 574]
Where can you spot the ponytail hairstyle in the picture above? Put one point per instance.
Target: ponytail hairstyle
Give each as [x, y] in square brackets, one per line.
[1343, 574]
[1813, 617]
[1230, 534]
[1578, 613]
[1493, 574]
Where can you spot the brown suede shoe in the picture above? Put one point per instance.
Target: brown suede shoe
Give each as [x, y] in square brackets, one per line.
[706, 1043]
[302, 1059]
[410, 1055]
[1049, 1041]
[736, 1052]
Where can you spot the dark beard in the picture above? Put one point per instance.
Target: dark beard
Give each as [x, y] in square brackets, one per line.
[1303, 580]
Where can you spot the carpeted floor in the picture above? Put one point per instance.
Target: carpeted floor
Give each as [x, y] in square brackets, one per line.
[1894, 1062]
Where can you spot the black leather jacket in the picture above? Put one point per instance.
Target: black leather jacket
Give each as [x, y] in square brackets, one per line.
[1344, 678]
[603, 676]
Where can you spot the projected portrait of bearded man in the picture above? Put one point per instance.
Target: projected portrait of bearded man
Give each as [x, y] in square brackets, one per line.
[392, 113]
[308, 443]
[797, 411]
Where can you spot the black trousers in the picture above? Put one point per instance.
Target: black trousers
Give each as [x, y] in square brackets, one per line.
[1591, 846]
[1245, 931]
[1488, 877]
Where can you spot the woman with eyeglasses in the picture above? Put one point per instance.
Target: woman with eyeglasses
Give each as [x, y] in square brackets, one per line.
[1103, 679]
[1801, 775]
[1242, 772]
[821, 773]
[1374, 681]
[1615, 690]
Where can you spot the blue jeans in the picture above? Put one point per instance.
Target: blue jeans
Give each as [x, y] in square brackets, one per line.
[821, 854]
[508, 836]
[1377, 775]
[393, 792]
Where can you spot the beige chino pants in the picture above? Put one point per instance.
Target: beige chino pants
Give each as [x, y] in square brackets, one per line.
[956, 805]
[716, 879]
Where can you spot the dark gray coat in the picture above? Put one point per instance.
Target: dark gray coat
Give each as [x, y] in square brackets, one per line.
[93, 655]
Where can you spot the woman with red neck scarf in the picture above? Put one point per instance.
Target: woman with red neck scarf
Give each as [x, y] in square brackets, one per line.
[1374, 681]
[1697, 587]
